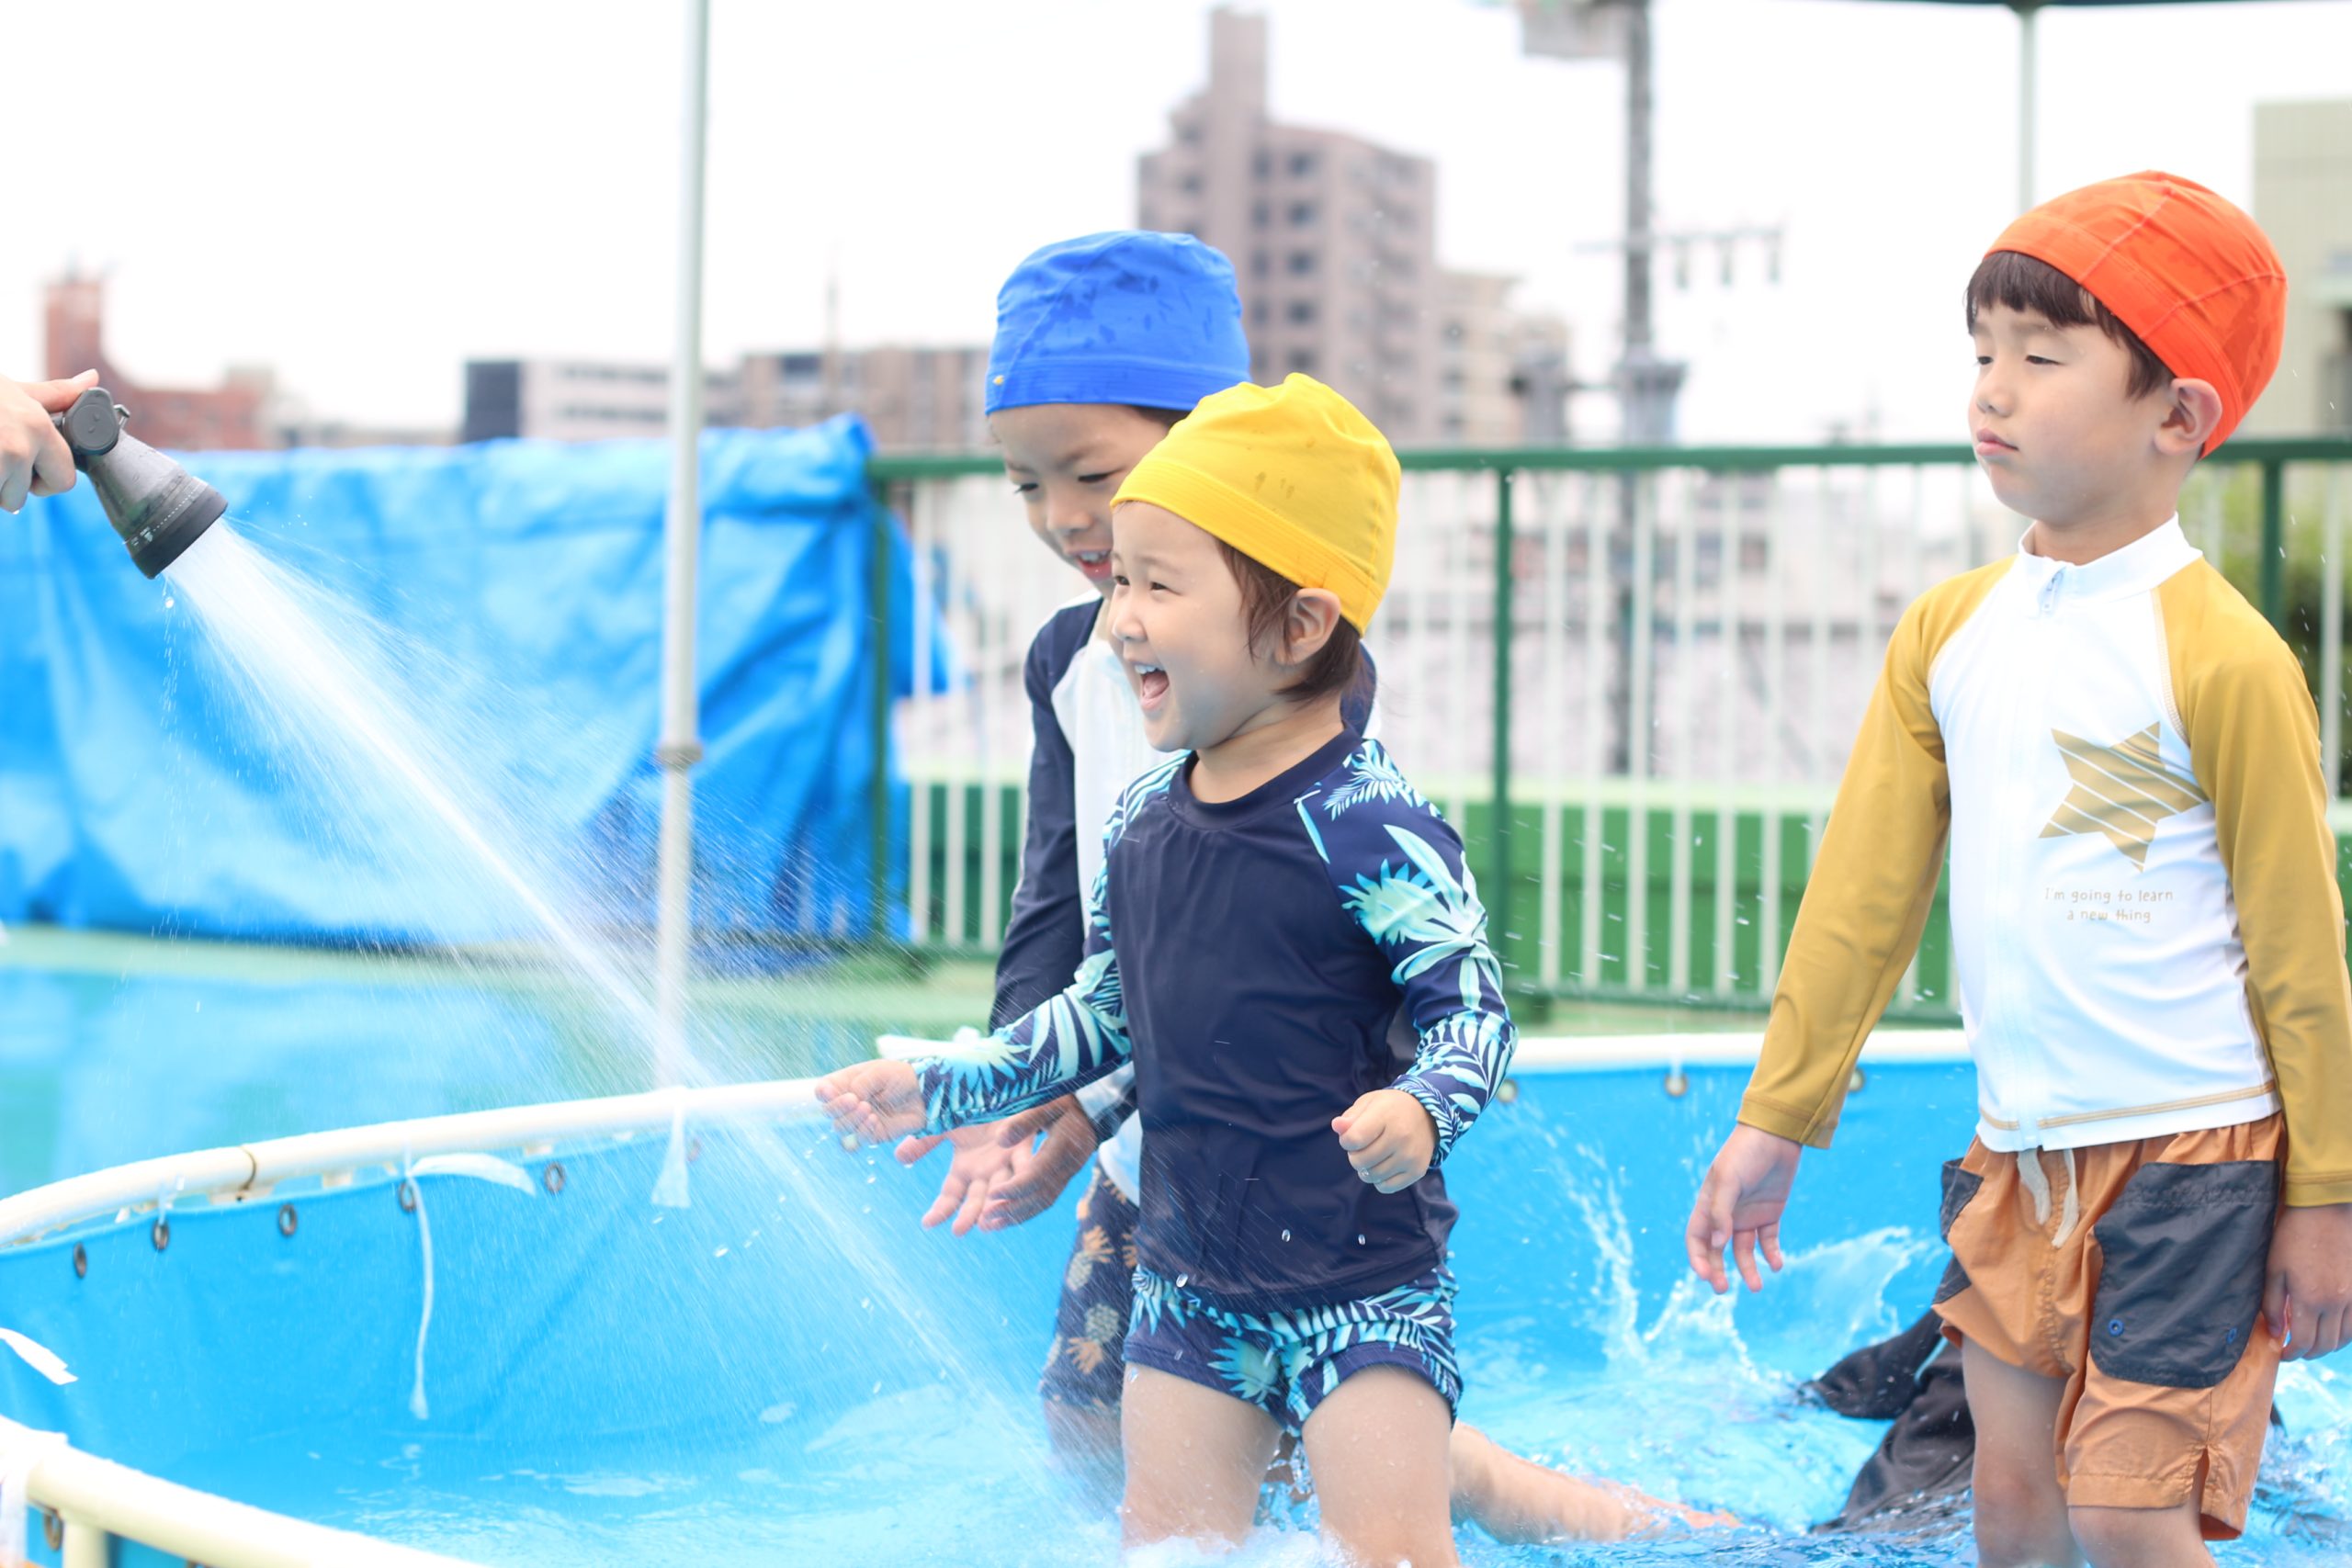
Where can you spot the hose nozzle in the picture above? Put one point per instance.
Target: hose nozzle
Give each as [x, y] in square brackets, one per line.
[158, 507]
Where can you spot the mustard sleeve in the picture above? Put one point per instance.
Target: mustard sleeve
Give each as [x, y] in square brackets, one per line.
[2254, 744]
[1872, 885]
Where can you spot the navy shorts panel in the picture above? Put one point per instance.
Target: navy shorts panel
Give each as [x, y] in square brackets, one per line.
[1286, 1363]
[1085, 1366]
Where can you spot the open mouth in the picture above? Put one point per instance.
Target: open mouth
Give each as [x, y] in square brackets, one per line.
[1151, 684]
[1096, 564]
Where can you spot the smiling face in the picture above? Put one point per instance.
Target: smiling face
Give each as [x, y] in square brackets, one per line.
[1066, 461]
[1177, 617]
[2059, 429]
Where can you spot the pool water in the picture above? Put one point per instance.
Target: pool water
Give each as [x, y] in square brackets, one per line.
[790, 1370]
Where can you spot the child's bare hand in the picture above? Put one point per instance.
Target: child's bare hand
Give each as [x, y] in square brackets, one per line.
[1043, 1164]
[1389, 1138]
[2308, 1297]
[872, 1100]
[1000, 1174]
[1739, 1207]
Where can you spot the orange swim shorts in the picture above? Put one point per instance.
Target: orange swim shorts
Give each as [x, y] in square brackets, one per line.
[2133, 1272]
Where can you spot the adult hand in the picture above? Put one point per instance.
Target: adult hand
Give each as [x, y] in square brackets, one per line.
[1389, 1138]
[34, 459]
[1739, 1206]
[2308, 1297]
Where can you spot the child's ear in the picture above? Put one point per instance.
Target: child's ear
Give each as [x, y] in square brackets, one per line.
[1307, 624]
[2189, 422]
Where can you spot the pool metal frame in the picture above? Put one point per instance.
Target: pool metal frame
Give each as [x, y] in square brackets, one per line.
[89, 1502]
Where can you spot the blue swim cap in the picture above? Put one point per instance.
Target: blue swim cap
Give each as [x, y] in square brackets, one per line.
[1126, 317]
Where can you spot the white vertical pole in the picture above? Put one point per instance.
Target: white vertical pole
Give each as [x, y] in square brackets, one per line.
[1684, 697]
[681, 745]
[1727, 708]
[2027, 70]
[1554, 490]
[1598, 573]
[1638, 739]
[923, 528]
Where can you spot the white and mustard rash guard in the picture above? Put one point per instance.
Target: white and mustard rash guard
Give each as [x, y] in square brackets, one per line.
[2124, 757]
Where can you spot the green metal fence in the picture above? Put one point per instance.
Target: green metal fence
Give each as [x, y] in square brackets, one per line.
[1628, 676]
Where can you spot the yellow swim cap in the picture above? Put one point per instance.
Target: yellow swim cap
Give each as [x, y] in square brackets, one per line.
[1291, 476]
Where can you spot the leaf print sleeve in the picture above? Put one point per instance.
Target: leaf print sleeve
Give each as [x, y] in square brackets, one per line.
[1399, 872]
[1067, 1040]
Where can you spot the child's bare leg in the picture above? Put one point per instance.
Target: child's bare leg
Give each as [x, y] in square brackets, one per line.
[1376, 1447]
[2142, 1538]
[1521, 1503]
[2021, 1513]
[1195, 1458]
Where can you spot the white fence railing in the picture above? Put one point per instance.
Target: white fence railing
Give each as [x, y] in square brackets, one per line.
[1686, 643]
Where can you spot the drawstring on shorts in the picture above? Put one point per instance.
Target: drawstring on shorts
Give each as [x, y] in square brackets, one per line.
[2037, 1183]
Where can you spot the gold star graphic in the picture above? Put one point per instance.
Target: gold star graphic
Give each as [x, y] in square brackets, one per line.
[2122, 791]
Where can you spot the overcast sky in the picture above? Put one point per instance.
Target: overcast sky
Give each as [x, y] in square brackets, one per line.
[365, 196]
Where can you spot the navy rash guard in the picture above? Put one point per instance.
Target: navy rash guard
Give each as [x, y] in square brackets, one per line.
[1256, 952]
[1046, 935]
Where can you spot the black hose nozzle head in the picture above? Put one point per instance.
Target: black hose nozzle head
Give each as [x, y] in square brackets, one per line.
[158, 507]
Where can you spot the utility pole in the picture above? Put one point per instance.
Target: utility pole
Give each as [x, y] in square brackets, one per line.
[1647, 386]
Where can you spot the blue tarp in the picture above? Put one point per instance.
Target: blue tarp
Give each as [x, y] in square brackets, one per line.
[136, 790]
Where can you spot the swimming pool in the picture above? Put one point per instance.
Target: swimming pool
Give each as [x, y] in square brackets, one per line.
[790, 1370]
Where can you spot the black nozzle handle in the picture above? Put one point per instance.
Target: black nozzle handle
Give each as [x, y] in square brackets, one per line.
[91, 424]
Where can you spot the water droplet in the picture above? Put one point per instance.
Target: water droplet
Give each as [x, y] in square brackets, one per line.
[1285, 1235]
[169, 601]
[1182, 1279]
[1359, 1238]
[720, 1253]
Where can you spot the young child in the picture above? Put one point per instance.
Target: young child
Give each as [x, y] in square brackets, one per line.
[1268, 903]
[2143, 900]
[1102, 344]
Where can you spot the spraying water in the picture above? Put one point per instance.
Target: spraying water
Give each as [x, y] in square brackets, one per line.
[378, 724]
[253, 610]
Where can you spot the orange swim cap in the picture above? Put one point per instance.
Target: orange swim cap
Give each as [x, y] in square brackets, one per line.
[2192, 276]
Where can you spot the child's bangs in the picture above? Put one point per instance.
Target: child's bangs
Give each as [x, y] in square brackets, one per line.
[2018, 282]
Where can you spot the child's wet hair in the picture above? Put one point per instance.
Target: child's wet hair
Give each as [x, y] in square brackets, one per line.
[2018, 282]
[1165, 418]
[1266, 595]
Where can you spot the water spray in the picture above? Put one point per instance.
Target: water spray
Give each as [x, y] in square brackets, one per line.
[158, 507]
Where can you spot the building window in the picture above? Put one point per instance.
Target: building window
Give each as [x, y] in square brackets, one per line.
[1262, 165]
[1302, 263]
[1189, 185]
[1302, 361]
[1257, 264]
[1302, 163]
[1257, 316]
[1302, 213]
[1301, 312]
[1258, 215]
